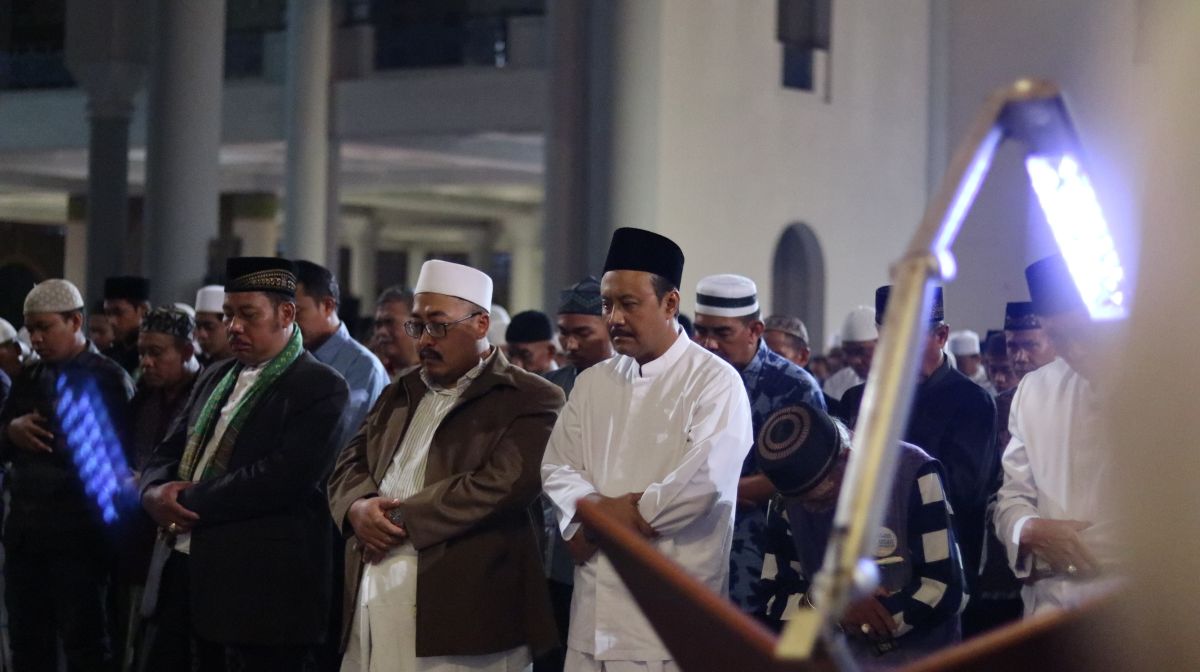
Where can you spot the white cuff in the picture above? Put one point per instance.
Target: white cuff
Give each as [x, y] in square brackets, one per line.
[1021, 566]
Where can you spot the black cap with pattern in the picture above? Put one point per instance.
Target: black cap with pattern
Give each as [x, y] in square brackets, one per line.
[936, 314]
[797, 447]
[582, 298]
[1020, 316]
[260, 274]
[169, 320]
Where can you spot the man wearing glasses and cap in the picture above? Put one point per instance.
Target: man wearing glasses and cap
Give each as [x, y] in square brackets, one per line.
[444, 570]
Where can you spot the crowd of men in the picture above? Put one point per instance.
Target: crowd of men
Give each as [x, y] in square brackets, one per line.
[299, 500]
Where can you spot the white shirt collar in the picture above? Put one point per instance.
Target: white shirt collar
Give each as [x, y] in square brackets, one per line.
[664, 363]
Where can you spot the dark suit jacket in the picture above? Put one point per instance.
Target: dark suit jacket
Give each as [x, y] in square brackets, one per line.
[480, 584]
[260, 554]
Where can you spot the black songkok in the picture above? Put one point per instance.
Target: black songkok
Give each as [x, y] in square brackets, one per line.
[1019, 316]
[131, 288]
[531, 326]
[582, 298]
[936, 314]
[171, 321]
[1051, 287]
[260, 274]
[640, 250]
[797, 447]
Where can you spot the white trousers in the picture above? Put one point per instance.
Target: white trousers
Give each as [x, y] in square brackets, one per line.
[578, 661]
[384, 632]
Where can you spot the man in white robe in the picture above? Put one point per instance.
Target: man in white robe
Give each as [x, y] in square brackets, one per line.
[1053, 513]
[656, 437]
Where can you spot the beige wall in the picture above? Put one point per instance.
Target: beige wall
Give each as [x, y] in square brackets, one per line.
[712, 151]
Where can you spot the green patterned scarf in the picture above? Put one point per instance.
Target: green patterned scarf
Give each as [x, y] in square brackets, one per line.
[201, 433]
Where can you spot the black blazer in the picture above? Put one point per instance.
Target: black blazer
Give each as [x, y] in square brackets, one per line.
[260, 553]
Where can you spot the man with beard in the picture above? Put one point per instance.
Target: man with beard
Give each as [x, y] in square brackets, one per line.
[211, 335]
[240, 578]
[57, 550]
[126, 302]
[655, 438]
[444, 571]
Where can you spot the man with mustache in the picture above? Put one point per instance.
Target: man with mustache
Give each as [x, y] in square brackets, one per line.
[656, 438]
[444, 571]
[240, 577]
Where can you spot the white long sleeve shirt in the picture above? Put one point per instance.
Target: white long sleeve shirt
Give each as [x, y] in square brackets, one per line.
[676, 429]
[1057, 466]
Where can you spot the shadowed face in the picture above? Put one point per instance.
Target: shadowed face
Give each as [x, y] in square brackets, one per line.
[733, 339]
[211, 335]
[100, 331]
[162, 358]
[584, 338]
[536, 357]
[858, 356]
[55, 337]
[1028, 350]
[126, 317]
[389, 340]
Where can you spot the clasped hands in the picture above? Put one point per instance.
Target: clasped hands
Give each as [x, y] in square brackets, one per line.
[623, 510]
[375, 532]
[1060, 543]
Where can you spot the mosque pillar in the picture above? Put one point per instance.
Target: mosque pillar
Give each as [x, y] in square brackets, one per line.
[183, 145]
[105, 53]
[527, 290]
[306, 105]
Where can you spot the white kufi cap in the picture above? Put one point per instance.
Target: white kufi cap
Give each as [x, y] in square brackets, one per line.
[8, 333]
[499, 325]
[464, 282]
[860, 325]
[53, 296]
[964, 343]
[726, 295]
[210, 299]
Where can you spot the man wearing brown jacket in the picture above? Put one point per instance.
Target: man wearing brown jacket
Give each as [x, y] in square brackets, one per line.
[436, 489]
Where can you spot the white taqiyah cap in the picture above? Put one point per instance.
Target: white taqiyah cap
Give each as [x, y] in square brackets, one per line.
[964, 343]
[210, 299]
[53, 296]
[499, 325]
[464, 282]
[8, 333]
[726, 295]
[860, 325]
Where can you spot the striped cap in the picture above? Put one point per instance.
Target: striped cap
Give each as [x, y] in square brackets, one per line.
[726, 295]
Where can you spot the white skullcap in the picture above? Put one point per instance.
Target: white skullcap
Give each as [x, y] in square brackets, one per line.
[8, 333]
[726, 295]
[500, 321]
[53, 296]
[964, 343]
[860, 325]
[210, 299]
[464, 282]
[179, 305]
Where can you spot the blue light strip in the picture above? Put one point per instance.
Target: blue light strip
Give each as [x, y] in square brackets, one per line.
[1083, 236]
[94, 444]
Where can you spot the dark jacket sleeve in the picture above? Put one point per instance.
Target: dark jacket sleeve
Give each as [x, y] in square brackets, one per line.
[163, 465]
[299, 464]
[508, 481]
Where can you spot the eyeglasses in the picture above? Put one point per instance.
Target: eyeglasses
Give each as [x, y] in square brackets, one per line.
[414, 328]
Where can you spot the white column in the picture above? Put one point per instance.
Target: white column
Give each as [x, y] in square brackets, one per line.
[183, 144]
[528, 289]
[306, 105]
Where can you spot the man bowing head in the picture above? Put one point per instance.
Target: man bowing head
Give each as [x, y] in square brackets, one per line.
[444, 571]
[654, 436]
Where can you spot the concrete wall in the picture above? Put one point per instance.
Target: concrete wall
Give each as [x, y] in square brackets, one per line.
[1088, 47]
[712, 151]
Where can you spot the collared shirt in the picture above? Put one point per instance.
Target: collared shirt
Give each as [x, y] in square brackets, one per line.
[675, 429]
[1057, 466]
[245, 380]
[772, 382]
[364, 373]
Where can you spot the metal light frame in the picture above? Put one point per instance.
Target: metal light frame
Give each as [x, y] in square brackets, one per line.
[1033, 112]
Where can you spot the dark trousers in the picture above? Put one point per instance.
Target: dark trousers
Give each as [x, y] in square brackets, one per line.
[57, 594]
[169, 642]
[560, 600]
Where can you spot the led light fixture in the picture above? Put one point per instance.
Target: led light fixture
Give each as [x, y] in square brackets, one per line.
[94, 445]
